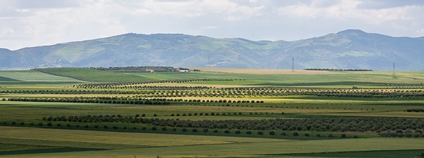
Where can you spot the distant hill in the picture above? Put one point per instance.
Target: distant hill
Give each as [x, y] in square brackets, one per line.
[349, 49]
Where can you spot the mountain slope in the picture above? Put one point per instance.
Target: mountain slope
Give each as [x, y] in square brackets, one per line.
[349, 49]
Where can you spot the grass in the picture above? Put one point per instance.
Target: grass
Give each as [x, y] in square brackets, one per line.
[93, 75]
[36, 149]
[363, 154]
[170, 145]
[20, 147]
[34, 76]
[255, 77]
[61, 137]
[5, 79]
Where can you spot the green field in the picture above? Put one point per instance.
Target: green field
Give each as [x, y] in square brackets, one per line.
[83, 112]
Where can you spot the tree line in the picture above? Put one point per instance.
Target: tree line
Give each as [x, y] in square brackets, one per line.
[327, 69]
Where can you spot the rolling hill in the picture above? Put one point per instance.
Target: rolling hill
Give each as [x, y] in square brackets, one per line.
[349, 49]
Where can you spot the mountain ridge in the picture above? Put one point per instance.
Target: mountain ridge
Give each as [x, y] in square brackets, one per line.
[347, 49]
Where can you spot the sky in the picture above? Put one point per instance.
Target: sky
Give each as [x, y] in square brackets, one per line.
[26, 23]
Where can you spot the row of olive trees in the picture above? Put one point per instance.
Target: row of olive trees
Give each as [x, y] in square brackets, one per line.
[342, 124]
[175, 129]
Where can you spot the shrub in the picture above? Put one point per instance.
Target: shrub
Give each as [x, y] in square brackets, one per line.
[184, 130]
[248, 132]
[14, 123]
[343, 135]
[96, 126]
[40, 124]
[194, 130]
[86, 126]
[22, 123]
[355, 136]
[154, 128]
[283, 133]
[105, 127]
[58, 125]
[163, 128]
[260, 132]
[115, 127]
[227, 131]
[318, 135]
[295, 134]
[306, 134]
[205, 130]
[215, 131]
[237, 132]
[134, 128]
[48, 124]
[271, 133]
[330, 135]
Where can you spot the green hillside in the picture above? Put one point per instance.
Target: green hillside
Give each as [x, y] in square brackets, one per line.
[350, 49]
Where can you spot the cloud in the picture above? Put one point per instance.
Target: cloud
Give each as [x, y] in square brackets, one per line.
[198, 8]
[348, 10]
[30, 23]
[210, 27]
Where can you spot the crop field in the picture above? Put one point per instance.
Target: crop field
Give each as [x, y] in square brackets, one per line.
[214, 112]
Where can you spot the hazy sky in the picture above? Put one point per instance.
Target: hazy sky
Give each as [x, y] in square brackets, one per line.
[26, 23]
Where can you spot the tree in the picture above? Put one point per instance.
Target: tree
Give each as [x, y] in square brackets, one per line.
[421, 155]
[260, 132]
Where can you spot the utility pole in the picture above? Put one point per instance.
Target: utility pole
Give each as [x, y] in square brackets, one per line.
[292, 64]
[394, 70]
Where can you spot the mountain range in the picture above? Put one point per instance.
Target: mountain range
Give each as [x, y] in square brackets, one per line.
[349, 49]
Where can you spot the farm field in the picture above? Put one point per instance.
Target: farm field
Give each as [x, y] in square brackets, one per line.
[86, 112]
